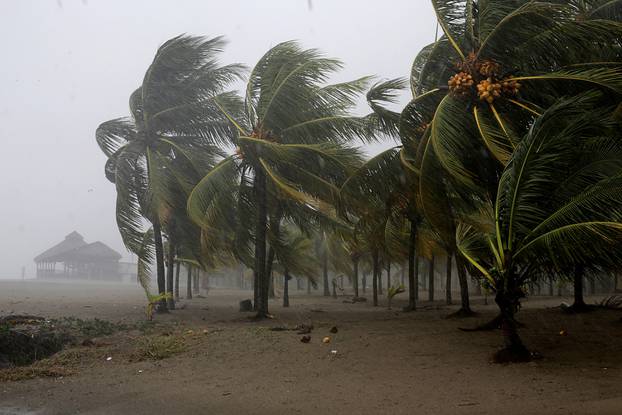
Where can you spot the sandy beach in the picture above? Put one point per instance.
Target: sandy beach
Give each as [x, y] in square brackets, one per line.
[380, 361]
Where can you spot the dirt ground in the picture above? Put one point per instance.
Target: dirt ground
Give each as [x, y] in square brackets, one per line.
[379, 362]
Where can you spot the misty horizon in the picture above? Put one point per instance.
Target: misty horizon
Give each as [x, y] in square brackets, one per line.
[73, 64]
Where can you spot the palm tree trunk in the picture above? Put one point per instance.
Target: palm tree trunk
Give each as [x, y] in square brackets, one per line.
[514, 350]
[448, 300]
[550, 286]
[170, 277]
[412, 282]
[195, 286]
[159, 251]
[388, 276]
[178, 267]
[376, 269]
[355, 281]
[286, 279]
[325, 271]
[269, 263]
[579, 301]
[465, 306]
[403, 274]
[364, 282]
[431, 279]
[308, 286]
[189, 283]
[380, 277]
[417, 278]
[260, 243]
[255, 291]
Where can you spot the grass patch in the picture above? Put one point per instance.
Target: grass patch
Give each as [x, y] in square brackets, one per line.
[157, 347]
[88, 328]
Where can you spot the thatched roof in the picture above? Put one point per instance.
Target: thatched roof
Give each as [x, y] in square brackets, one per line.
[97, 251]
[75, 249]
[72, 241]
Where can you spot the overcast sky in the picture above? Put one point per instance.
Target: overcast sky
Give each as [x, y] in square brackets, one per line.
[68, 65]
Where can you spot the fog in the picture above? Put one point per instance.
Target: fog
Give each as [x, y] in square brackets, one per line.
[69, 65]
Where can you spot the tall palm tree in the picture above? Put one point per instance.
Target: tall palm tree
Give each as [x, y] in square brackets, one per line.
[292, 131]
[557, 205]
[169, 121]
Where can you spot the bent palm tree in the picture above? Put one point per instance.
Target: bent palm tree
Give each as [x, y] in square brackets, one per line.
[558, 204]
[290, 147]
[497, 65]
[168, 123]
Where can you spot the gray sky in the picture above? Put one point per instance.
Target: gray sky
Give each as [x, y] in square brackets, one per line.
[68, 65]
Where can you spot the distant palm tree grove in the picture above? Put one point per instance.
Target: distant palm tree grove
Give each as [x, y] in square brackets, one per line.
[504, 169]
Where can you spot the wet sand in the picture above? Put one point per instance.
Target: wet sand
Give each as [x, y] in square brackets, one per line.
[385, 361]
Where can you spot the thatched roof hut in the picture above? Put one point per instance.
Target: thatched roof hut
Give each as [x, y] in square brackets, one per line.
[80, 260]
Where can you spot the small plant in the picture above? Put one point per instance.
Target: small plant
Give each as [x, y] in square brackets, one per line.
[152, 302]
[393, 291]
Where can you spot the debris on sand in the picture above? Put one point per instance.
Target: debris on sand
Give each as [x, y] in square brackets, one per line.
[305, 339]
[326, 340]
[334, 329]
[88, 342]
[304, 328]
[354, 300]
[280, 328]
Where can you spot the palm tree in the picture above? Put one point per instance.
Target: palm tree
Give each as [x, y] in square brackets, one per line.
[168, 122]
[290, 147]
[497, 66]
[557, 206]
[294, 255]
[477, 89]
[368, 198]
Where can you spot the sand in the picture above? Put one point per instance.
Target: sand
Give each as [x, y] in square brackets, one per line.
[379, 362]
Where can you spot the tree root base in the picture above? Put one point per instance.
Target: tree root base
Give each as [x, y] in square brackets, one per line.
[462, 313]
[512, 354]
[262, 316]
[493, 324]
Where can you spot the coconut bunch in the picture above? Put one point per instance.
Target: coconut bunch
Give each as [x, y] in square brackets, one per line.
[484, 75]
[461, 83]
[488, 68]
[488, 90]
